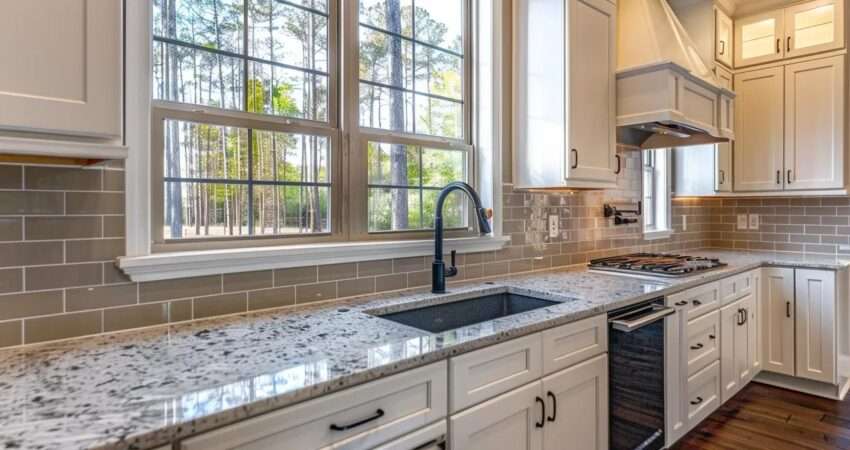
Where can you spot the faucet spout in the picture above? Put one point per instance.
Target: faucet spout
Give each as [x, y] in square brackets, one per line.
[439, 273]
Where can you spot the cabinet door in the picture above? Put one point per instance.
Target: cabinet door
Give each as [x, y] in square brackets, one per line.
[723, 30]
[733, 349]
[778, 326]
[815, 321]
[592, 95]
[814, 27]
[814, 124]
[758, 130]
[61, 67]
[507, 422]
[577, 407]
[723, 162]
[675, 371]
[754, 326]
[758, 38]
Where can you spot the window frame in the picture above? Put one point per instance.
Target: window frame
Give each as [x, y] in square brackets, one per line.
[661, 208]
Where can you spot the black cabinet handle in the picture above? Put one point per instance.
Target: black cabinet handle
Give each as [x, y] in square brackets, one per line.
[378, 414]
[778, 41]
[722, 48]
[697, 347]
[712, 337]
[778, 177]
[788, 309]
[619, 164]
[722, 177]
[682, 303]
[575, 158]
[788, 44]
[789, 177]
[696, 302]
[697, 401]
[542, 412]
[554, 407]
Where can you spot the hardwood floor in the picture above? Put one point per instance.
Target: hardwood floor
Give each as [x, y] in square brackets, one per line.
[762, 417]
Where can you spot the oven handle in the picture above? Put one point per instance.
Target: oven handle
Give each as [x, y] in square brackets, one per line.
[627, 326]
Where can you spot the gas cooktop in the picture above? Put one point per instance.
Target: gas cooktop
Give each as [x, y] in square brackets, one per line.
[656, 264]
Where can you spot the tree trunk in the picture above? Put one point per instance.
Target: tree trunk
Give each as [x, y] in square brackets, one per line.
[398, 154]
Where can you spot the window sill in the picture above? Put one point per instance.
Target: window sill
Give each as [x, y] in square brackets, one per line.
[655, 235]
[167, 266]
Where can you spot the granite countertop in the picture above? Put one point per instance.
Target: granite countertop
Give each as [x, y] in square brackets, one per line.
[145, 388]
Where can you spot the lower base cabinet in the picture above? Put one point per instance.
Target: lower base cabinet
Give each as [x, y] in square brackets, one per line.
[738, 351]
[565, 410]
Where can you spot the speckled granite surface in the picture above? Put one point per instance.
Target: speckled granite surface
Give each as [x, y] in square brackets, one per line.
[146, 388]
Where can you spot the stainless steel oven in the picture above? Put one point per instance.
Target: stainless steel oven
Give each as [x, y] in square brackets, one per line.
[636, 358]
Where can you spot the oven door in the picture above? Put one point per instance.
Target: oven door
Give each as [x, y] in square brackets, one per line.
[636, 350]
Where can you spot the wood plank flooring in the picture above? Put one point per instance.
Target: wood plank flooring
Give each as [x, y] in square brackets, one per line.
[762, 417]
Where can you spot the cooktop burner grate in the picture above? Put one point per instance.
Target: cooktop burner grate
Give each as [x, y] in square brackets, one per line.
[656, 264]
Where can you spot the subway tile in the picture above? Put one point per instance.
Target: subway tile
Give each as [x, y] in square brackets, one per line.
[841, 240]
[372, 268]
[414, 264]
[62, 178]
[333, 272]
[819, 229]
[11, 280]
[521, 265]
[10, 333]
[296, 275]
[65, 326]
[113, 275]
[220, 305]
[65, 227]
[11, 229]
[29, 304]
[95, 297]
[417, 279]
[247, 281]
[95, 203]
[30, 253]
[113, 226]
[93, 250]
[827, 249]
[271, 298]
[307, 293]
[113, 180]
[156, 291]
[835, 220]
[360, 286]
[68, 275]
[392, 282]
[180, 311]
[11, 177]
[136, 316]
[495, 268]
[31, 202]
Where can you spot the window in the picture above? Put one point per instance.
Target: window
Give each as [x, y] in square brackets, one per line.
[249, 118]
[656, 193]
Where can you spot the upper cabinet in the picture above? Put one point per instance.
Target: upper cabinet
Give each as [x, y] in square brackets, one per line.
[62, 67]
[798, 30]
[564, 94]
[723, 32]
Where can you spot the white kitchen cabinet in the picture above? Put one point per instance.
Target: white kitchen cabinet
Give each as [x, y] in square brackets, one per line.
[758, 38]
[723, 164]
[62, 67]
[511, 421]
[675, 412]
[814, 124]
[723, 32]
[736, 352]
[816, 350]
[814, 27]
[574, 342]
[564, 94]
[759, 137]
[577, 408]
[703, 394]
[778, 320]
[756, 329]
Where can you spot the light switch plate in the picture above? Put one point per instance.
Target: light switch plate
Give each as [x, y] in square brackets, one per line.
[754, 221]
[742, 222]
[554, 226]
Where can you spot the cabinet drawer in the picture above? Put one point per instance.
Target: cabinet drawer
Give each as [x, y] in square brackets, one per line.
[396, 405]
[698, 301]
[486, 373]
[573, 343]
[703, 393]
[428, 438]
[702, 343]
[735, 287]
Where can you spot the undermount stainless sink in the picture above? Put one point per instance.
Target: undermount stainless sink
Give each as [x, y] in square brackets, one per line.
[449, 316]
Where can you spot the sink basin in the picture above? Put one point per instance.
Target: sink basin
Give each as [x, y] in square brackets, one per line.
[448, 316]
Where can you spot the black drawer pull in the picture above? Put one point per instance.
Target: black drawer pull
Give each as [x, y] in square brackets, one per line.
[554, 407]
[378, 414]
[697, 401]
[542, 412]
[682, 303]
[696, 302]
[697, 347]
[712, 337]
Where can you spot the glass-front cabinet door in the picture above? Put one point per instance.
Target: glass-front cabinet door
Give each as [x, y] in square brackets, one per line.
[758, 39]
[814, 27]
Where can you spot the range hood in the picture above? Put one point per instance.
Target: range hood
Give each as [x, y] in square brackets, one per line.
[667, 96]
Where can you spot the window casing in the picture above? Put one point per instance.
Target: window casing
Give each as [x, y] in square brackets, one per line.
[242, 96]
[657, 206]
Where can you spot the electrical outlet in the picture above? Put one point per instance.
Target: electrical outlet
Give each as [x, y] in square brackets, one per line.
[684, 223]
[742, 222]
[554, 226]
[754, 221]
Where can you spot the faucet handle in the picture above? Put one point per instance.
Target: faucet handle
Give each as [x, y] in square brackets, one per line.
[452, 270]
[454, 256]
